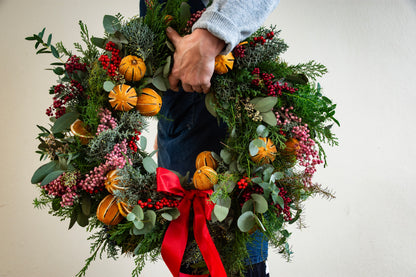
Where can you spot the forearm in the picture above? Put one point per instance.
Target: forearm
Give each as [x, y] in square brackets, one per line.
[234, 20]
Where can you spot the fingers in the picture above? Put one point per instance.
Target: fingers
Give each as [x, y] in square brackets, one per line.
[173, 82]
[173, 36]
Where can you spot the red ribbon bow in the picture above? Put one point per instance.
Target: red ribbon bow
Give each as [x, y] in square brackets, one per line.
[174, 242]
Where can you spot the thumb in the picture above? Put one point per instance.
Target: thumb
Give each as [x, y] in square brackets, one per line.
[172, 35]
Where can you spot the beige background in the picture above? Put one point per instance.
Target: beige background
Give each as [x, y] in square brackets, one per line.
[369, 48]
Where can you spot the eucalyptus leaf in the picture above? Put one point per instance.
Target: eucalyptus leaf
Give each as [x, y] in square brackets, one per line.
[111, 24]
[149, 165]
[64, 122]
[138, 224]
[49, 40]
[246, 221]
[73, 218]
[166, 68]
[167, 216]
[233, 166]
[143, 143]
[262, 131]
[82, 220]
[276, 177]
[222, 208]
[55, 52]
[159, 82]
[58, 70]
[138, 211]
[99, 42]
[259, 224]
[269, 118]
[247, 206]
[260, 203]
[131, 217]
[265, 104]
[108, 86]
[256, 180]
[43, 171]
[226, 156]
[86, 204]
[210, 104]
[150, 217]
[51, 176]
[185, 11]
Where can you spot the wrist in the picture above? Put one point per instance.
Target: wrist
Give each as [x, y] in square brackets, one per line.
[210, 44]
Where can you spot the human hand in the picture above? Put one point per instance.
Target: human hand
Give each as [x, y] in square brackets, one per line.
[194, 59]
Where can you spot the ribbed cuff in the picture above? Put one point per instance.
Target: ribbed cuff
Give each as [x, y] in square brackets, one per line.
[221, 27]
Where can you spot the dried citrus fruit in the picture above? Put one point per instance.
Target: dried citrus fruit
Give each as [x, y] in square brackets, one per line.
[79, 129]
[206, 159]
[265, 155]
[123, 97]
[149, 102]
[107, 211]
[133, 68]
[205, 178]
[223, 63]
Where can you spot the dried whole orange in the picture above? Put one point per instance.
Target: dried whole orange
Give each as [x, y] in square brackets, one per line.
[123, 97]
[224, 63]
[205, 178]
[149, 102]
[206, 159]
[107, 211]
[79, 129]
[265, 155]
[133, 68]
[112, 183]
[292, 147]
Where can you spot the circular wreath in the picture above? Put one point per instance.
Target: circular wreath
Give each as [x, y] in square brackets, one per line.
[101, 177]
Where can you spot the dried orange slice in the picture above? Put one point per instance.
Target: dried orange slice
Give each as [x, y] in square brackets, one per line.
[79, 129]
[123, 98]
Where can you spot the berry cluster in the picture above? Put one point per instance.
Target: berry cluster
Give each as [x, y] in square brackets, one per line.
[107, 121]
[267, 80]
[95, 179]
[62, 95]
[307, 155]
[164, 202]
[194, 17]
[133, 141]
[239, 51]
[249, 191]
[243, 183]
[261, 39]
[73, 64]
[65, 186]
[285, 116]
[111, 64]
[287, 215]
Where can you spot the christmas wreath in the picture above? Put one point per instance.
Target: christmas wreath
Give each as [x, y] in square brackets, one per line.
[100, 176]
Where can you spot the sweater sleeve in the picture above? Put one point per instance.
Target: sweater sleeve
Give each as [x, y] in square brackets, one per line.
[234, 20]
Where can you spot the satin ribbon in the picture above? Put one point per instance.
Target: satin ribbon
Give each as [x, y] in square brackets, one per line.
[190, 275]
[174, 242]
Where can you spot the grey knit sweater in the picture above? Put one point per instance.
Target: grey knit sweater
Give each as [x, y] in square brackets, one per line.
[234, 20]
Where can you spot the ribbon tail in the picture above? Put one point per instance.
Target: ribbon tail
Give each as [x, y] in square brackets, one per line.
[174, 242]
[205, 243]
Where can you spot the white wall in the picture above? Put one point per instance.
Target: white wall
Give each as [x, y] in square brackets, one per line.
[369, 48]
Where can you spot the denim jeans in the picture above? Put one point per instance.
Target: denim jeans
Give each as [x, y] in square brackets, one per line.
[185, 129]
